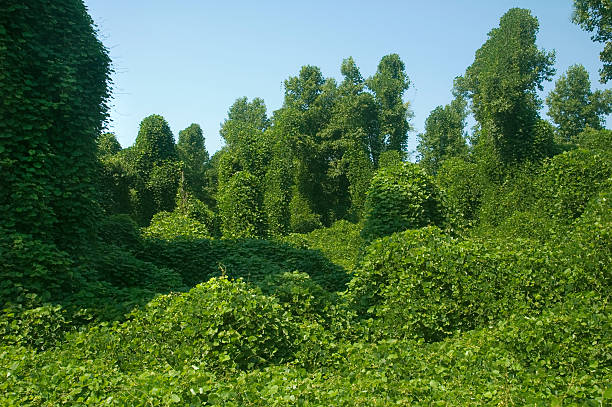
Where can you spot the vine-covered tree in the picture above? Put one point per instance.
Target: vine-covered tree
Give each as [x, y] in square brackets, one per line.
[596, 16]
[54, 86]
[192, 152]
[156, 168]
[389, 84]
[240, 207]
[401, 196]
[444, 135]
[573, 105]
[502, 83]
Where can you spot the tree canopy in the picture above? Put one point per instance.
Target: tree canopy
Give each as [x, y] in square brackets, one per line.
[573, 105]
[502, 83]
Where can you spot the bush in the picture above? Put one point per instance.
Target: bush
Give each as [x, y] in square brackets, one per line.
[32, 324]
[400, 197]
[119, 230]
[122, 269]
[517, 192]
[592, 139]
[380, 264]
[220, 324]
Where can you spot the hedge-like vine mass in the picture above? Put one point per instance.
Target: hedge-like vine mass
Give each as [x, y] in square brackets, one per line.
[54, 76]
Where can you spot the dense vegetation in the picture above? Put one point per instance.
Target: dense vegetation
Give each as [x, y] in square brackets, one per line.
[307, 262]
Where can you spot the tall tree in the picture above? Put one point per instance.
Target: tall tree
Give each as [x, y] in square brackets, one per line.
[156, 169]
[54, 90]
[444, 135]
[302, 121]
[573, 105]
[192, 152]
[389, 84]
[596, 16]
[502, 84]
[243, 131]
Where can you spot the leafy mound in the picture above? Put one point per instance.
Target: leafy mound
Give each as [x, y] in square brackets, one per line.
[401, 197]
[217, 327]
[340, 242]
[250, 259]
[421, 284]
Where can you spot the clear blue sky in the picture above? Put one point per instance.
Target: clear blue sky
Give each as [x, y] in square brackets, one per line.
[189, 60]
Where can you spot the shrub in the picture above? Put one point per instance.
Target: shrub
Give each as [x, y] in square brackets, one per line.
[122, 269]
[220, 324]
[400, 197]
[420, 284]
[302, 296]
[592, 139]
[37, 326]
[381, 262]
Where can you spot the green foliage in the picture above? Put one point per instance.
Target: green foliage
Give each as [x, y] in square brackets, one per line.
[31, 266]
[462, 184]
[108, 144]
[121, 231]
[389, 84]
[340, 243]
[54, 83]
[277, 190]
[444, 135]
[372, 276]
[390, 158]
[157, 171]
[517, 192]
[299, 294]
[192, 152]
[114, 180]
[154, 142]
[162, 185]
[302, 218]
[33, 325]
[574, 107]
[240, 207]
[502, 85]
[173, 225]
[557, 357]
[401, 197]
[252, 260]
[591, 139]
[594, 16]
[420, 284]
[570, 180]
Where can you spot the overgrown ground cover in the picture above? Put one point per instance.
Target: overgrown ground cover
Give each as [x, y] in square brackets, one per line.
[479, 276]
